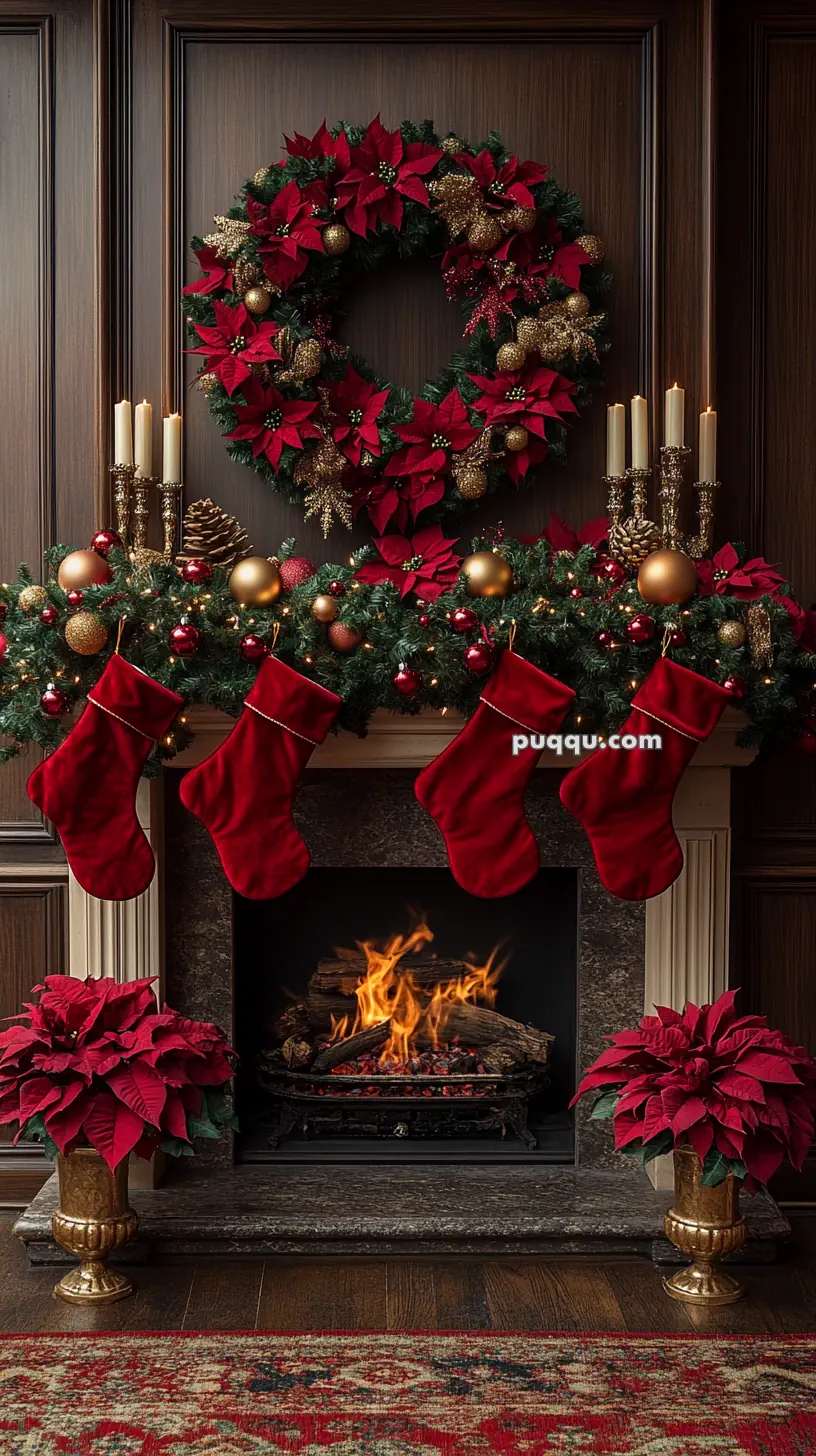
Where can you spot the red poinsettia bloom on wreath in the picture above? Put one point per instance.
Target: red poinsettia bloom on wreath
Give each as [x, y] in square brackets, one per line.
[507, 185]
[270, 421]
[433, 434]
[287, 230]
[525, 397]
[384, 169]
[724, 1085]
[425, 564]
[322, 144]
[356, 406]
[395, 500]
[234, 343]
[543, 254]
[217, 274]
[723, 575]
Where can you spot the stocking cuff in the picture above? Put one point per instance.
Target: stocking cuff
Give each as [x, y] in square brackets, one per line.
[526, 695]
[138, 701]
[293, 701]
[681, 699]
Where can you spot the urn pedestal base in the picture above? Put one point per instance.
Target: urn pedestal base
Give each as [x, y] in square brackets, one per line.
[93, 1218]
[707, 1224]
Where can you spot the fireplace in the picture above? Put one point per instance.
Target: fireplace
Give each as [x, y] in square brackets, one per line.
[397, 1013]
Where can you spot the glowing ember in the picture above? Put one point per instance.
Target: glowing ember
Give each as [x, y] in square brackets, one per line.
[388, 992]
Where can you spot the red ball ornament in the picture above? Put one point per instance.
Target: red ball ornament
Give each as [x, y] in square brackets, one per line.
[610, 571]
[103, 541]
[184, 639]
[406, 682]
[678, 638]
[75, 598]
[607, 639]
[295, 570]
[3, 646]
[641, 628]
[49, 616]
[337, 588]
[576, 593]
[463, 619]
[806, 742]
[55, 703]
[197, 573]
[424, 620]
[253, 648]
[479, 657]
[735, 685]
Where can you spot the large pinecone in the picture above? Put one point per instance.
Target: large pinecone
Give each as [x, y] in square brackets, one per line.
[211, 535]
[633, 540]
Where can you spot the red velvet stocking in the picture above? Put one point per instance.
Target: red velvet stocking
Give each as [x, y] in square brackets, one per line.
[475, 788]
[243, 792]
[88, 787]
[624, 797]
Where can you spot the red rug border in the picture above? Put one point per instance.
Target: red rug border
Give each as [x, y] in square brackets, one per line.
[590, 1335]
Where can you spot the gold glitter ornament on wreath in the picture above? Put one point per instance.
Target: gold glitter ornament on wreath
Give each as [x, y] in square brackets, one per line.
[86, 633]
[32, 599]
[471, 482]
[732, 634]
[336, 239]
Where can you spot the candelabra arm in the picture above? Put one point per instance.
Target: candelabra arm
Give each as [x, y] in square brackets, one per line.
[140, 510]
[170, 495]
[672, 464]
[615, 486]
[123, 476]
[699, 546]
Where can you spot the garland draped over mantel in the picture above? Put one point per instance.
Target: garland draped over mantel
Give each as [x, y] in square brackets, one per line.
[318, 423]
[424, 642]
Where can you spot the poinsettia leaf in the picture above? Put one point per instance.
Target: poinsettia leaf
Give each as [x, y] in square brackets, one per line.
[141, 1088]
[198, 1127]
[112, 1128]
[603, 1107]
[766, 1066]
[656, 1147]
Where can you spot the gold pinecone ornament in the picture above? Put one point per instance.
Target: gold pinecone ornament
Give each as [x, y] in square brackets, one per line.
[632, 541]
[211, 535]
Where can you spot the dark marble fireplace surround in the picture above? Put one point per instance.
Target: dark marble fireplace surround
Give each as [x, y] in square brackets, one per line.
[603, 1203]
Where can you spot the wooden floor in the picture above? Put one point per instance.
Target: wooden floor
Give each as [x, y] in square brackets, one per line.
[440, 1294]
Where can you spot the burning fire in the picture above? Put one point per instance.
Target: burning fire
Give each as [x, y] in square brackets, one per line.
[388, 993]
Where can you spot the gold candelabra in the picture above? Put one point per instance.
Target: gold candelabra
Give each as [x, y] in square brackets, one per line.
[123, 477]
[631, 539]
[699, 546]
[634, 537]
[131, 500]
[672, 465]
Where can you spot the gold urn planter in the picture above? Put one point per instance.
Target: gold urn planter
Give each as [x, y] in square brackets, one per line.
[707, 1224]
[92, 1220]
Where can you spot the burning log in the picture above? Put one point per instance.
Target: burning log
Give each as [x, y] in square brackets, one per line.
[479, 1026]
[293, 1020]
[296, 1052]
[502, 1059]
[352, 1046]
[321, 1009]
[344, 975]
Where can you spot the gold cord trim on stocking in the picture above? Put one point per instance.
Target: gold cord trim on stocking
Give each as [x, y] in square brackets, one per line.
[502, 714]
[131, 726]
[313, 742]
[664, 723]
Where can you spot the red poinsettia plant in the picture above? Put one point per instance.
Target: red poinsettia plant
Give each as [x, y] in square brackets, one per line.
[738, 1093]
[96, 1063]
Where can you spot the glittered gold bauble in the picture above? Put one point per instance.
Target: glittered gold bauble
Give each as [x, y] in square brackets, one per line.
[521, 219]
[576, 305]
[257, 299]
[86, 633]
[731, 634]
[343, 638]
[83, 568]
[471, 482]
[206, 382]
[451, 145]
[33, 598]
[488, 574]
[528, 332]
[667, 578]
[485, 233]
[308, 359]
[255, 582]
[516, 438]
[325, 608]
[260, 176]
[336, 238]
[592, 246]
[511, 356]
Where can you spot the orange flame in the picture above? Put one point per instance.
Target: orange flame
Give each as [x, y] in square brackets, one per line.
[388, 994]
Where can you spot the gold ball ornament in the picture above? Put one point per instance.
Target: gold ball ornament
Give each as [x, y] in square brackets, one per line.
[255, 582]
[344, 639]
[516, 438]
[32, 598]
[451, 144]
[325, 608]
[667, 578]
[260, 177]
[471, 482]
[731, 634]
[592, 246]
[511, 356]
[488, 574]
[521, 219]
[83, 568]
[576, 305]
[336, 238]
[528, 332]
[484, 233]
[308, 359]
[207, 382]
[257, 299]
[86, 633]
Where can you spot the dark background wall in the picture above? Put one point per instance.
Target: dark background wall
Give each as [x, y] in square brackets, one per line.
[686, 126]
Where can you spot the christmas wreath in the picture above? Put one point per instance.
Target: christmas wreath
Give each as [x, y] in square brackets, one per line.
[317, 422]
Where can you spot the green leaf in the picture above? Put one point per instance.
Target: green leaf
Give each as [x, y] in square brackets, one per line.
[604, 1106]
[197, 1127]
[657, 1146]
[715, 1169]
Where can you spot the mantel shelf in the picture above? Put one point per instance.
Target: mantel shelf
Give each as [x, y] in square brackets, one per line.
[401, 741]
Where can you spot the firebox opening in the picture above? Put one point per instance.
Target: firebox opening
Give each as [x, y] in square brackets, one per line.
[385, 1015]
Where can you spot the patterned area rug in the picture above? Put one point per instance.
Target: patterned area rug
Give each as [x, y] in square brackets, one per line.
[406, 1395]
